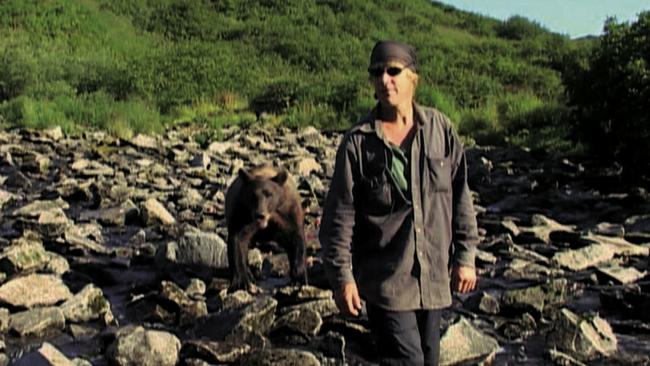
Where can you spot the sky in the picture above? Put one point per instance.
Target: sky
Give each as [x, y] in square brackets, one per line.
[575, 18]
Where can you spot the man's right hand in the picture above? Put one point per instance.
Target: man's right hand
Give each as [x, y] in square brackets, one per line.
[348, 300]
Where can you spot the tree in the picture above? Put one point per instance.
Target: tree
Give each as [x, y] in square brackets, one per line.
[610, 94]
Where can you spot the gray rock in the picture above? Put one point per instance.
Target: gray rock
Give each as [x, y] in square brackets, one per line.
[34, 209]
[324, 307]
[304, 166]
[26, 255]
[303, 321]
[154, 213]
[7, 198]
[144, 142]
[519, 269]
[462, 342]
[34, 290]
[46, 355]
[579, 259]
[137, 346]
[623, 275]
[238, 323]
[482, 302]
[281, 357]
[618, 245]
[189, 309]
[584, 338]
[638, 224]
[37, 322]
[196, 288]
[113, 216]
[235, 299]
[216, 352]
[49, 224]
[88, 304]
[201, 160]
[91, 168]
[4, 320]
[74, 237]
[609, 229]
[331, 344]
[542, 229]
[562, 359]
[196, 248]
[301, 293]
[535, 298]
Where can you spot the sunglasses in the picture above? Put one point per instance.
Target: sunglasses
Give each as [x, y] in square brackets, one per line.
[379, 71]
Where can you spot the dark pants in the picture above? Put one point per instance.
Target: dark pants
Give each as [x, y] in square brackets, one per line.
[406, 337]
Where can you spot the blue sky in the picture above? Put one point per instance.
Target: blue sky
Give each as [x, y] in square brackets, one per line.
[575, 18]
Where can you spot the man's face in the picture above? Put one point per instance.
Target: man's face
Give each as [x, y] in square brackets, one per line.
[393, 86]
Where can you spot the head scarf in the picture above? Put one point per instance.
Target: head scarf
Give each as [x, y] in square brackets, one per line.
[387, 51]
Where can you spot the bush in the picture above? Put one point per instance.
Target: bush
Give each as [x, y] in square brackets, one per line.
[519, 28]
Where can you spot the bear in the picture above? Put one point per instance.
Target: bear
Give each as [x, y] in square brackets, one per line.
[263, 204]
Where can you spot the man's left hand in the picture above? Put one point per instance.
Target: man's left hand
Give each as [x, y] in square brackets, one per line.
[463, 278]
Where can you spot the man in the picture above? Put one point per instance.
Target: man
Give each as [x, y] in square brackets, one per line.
[398, 214]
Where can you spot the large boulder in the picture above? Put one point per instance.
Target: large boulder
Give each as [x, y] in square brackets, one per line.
[583, 337]
[88, 304]
[34, 290]
[37, 322]
[140, 347]
[462, 342]
[195, 248]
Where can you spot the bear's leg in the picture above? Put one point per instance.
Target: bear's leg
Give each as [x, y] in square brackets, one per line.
[241, 277]
[296, 252]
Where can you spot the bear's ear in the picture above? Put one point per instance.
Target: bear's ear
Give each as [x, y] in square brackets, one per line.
[281, 177]
[245, 175]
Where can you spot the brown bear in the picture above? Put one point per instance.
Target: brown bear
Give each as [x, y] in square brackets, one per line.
[263, 204]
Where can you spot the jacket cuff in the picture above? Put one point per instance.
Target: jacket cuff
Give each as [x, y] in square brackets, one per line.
[465, 258]
[341, 278]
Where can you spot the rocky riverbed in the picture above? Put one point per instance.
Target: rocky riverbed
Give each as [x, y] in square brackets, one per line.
[112, 252]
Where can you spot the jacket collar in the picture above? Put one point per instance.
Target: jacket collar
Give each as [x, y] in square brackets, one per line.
[370, 124]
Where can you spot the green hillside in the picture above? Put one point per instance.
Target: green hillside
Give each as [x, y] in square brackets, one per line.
[135, 65]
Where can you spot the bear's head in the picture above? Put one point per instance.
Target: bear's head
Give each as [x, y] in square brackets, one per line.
[262, 195]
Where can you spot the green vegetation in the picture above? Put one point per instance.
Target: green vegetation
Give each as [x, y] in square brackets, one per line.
[130, 66]
[610, 92]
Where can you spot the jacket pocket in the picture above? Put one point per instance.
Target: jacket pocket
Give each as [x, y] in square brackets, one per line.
[376, 194]
[440, 174]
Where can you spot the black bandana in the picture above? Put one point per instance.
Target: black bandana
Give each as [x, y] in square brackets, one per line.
[386, 51]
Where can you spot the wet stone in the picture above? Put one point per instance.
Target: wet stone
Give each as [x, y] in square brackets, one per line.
[216, 352]
[137, 346]
[34, 290]
[37, 322]
[462, 342]
[583, 337]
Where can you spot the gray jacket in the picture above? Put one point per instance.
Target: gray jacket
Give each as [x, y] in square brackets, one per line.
[398, 246]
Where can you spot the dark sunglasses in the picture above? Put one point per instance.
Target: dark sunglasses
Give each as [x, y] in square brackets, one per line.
[379, 71]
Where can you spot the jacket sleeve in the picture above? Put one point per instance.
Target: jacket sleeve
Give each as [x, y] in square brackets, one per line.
[464, 226]
[337, 222]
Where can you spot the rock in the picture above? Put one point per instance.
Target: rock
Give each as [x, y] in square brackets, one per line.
[7, 198]
[46, 355]
[88, 304]
[235, 299]
[519, 269]
[331, 344]
[144, 142]
[618, 245]
[519, 328]
[237, 323]
[18, 180]
[196, 288]
[562, 359]
[579, 259]
[196, 248]
[37, 322]
[54, 133]
[137, 346]
[153, 213]
[485, 257]
[620, 274]
[482, 302]
[541, 230]
[305, 166]
[34, 290]
[216, 352]
[281, 357]
[202, 160]
[462, 342]
[324, 307]
[113, 216]
[220, 147]
[189, 310]
[77, 237]
[4, 320]
[638, 224]
[608, 229]
[584, 338]
[534, 299]
[34, 209]
[303, 321]
[26, 255]
[91, 168]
